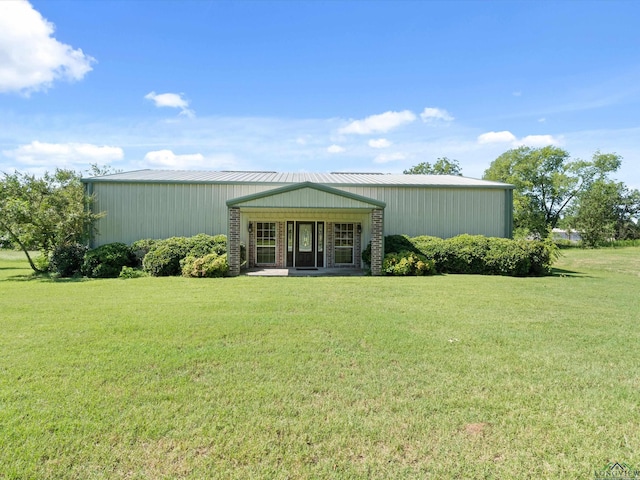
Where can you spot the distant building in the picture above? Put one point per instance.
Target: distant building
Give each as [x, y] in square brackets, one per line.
[304, 220]
[571, 235]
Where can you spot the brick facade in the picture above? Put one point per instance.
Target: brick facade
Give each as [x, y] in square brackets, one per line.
[377, 241]
[329, 245]
[233, 242]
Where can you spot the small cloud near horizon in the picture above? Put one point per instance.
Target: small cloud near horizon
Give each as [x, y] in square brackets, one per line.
[63, 155]
[379, 143]
[171, 100]
[380, 123]
[506, 136]
[389, 157]
[431, 114]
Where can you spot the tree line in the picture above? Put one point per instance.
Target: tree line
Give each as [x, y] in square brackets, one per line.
[553, 190]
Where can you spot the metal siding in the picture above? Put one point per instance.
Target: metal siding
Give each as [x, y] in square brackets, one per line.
[160, 210]
[440, 212]
[304, 198]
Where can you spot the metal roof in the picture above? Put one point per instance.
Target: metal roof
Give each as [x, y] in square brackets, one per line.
[275, 178]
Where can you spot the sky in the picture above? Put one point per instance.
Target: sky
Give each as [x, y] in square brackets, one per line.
[315, 86]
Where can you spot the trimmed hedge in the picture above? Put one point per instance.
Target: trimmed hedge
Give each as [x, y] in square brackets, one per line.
[107, 260]
[167, 257]
[163, 258]
[476, 254]
[209, 266]
[407, 263]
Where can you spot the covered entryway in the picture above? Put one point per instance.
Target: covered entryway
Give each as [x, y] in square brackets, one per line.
[305, 226]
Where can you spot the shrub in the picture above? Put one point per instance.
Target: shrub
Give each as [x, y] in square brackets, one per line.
[211, 265]
[407, 263]
[507, 257]
[433, 248]
[140, 248]
[42, 262]
[129, 272]
[542, 253]
[203, 244]
[164, 256]
[107, 260]
[470, 254]
[392, 244]
[466, 254]
[66, 259]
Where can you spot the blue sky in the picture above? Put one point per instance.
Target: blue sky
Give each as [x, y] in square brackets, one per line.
[315, 86]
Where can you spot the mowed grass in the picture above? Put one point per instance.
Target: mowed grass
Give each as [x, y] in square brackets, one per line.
[358, 377]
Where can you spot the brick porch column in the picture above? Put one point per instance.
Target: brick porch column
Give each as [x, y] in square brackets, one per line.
[233, 242]
[377, 241]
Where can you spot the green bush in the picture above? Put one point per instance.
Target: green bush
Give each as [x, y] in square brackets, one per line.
[407, 263]
[107, 260]
[211, 265]
[466, 254]
[433, 248]
[66, 259]
[507, 257]
[140, 248]
[165, 256]
[471, 254]
[43, 262]
[203, 244]
[129, 272]
[392, 244]
[542, 253]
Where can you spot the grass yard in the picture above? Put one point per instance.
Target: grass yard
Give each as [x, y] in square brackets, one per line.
[357, 377]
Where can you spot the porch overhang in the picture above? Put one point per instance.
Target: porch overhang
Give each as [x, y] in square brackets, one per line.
[306, 196]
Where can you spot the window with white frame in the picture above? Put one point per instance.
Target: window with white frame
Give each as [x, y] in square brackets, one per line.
[265, 242]
[343, 243]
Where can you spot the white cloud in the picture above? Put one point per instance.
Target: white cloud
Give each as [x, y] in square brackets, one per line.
[508, 137]
[379, 143]
[31, 59]
[539, 140]
[166, 158]
[389, 157]
[517, 94]
[64, 154]
[542, 120]
[169, 160]
[171, 100]
[381, 123]
[430, 114]
[504, 136]
[335, 149]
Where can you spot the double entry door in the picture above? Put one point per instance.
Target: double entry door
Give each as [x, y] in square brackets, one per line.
[305, 244]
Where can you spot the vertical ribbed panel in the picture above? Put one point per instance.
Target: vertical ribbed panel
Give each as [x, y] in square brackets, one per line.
[440, 212]
[156, 210]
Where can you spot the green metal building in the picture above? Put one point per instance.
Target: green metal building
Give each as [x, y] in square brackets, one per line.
[303, 220]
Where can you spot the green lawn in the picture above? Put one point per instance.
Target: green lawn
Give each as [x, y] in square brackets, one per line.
[356, 377]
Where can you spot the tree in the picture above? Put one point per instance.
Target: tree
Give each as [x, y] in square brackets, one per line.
[442, 166]
[606, 211]
[547, 182]
[41, 213]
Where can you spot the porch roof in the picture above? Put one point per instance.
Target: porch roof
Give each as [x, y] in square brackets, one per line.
[305, 195]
